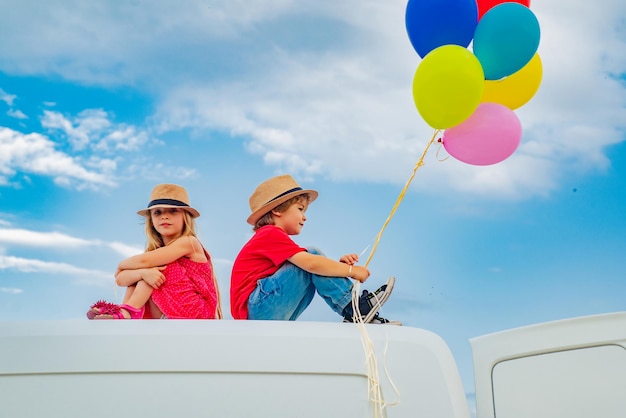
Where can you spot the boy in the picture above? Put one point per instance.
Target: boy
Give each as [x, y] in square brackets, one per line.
[273, 278]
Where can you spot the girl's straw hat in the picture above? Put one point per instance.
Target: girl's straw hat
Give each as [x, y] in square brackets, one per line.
[169, 196]
[272, 193]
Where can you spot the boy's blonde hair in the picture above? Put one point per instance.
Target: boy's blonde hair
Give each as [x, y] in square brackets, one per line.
[268, 218]
[154, 239]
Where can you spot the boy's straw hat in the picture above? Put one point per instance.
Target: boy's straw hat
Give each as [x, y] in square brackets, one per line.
[272, 193]
[169, 196]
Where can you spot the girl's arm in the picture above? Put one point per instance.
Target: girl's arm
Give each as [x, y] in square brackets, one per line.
[324, 266]
[152, 275]
[182, 247]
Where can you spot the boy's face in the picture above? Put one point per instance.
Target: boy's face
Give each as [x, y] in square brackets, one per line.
[291, 220]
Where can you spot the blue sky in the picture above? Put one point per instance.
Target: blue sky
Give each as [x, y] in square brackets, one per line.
[100, 101]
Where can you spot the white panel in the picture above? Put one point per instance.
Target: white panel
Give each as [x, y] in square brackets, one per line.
[183, 395]
[542, 370]
[195, 368]
[582, 383]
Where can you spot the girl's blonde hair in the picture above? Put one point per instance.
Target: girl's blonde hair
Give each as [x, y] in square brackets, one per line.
[268, 218]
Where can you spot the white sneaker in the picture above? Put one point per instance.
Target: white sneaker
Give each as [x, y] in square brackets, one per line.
[377, 319]
[370, 303]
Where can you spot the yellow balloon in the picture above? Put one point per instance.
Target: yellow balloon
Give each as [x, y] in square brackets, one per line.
[517, 89]
[447, 86]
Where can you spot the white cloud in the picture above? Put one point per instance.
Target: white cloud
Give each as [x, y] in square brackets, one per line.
[11, 290]
[17, 114]
[34, 239]
[7, 98]
[78, 137]
[349, 114]
[27, 265]
[125, 250]
[333, 98]
[41, 239]
[36, 154]
[57, 240]
[92, 128]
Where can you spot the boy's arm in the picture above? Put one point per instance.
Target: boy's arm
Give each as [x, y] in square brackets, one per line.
[161, 256]
[324, 266]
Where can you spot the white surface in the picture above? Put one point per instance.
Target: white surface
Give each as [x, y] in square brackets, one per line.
[574, 368]
[220, 369]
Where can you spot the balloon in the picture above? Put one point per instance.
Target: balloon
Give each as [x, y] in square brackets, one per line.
[485, 5]
[506, 38]
[434, 23]
[517, 89]
[447, 86]
[490, 135]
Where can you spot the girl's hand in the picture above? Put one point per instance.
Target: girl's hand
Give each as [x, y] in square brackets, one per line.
[359, 273]
[350, 259]
[153, 276]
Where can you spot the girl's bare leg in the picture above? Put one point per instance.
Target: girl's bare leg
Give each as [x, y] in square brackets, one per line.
[129, 292]
[136, 296]
[155, 312]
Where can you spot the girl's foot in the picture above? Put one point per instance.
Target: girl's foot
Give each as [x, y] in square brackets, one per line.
[106, 310]
[99, 307]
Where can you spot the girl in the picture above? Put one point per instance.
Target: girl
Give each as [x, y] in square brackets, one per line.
[174, 277]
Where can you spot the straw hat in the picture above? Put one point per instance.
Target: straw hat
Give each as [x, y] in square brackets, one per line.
[272, 193]
[169, 196]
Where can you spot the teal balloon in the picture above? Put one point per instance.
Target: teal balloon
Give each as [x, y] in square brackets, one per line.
[506, 39]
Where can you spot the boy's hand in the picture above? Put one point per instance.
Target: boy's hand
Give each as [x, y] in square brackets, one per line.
[350, 259]
[360, 273]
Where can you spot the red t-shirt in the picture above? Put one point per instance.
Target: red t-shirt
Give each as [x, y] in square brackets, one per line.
[262, 256]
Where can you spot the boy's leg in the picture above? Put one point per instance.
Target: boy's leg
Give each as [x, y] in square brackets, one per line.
[336, 291]
[281, 296]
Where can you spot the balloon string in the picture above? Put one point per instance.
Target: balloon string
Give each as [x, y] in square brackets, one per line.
[438, 151]
[420, 163]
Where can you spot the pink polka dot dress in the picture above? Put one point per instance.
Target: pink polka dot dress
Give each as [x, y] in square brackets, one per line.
[189, 291]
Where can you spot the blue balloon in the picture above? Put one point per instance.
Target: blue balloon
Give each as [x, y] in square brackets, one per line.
[506, 39]
[434, 23]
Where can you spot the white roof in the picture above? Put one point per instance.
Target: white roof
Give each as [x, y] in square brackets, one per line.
[196, 368]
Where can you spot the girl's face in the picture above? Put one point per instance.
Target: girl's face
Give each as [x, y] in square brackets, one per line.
[168, 222]
[292, 220]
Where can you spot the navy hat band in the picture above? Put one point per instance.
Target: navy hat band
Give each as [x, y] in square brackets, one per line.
[171, 202]
[295, 189]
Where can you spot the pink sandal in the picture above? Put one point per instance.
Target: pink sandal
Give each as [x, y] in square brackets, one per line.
[106, 310]
[134, 312]
[98, 307]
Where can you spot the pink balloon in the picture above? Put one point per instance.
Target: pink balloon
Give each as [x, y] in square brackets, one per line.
[490, 135]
